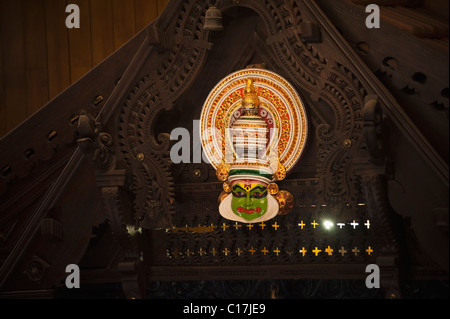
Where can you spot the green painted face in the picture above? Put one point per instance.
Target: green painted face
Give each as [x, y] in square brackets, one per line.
[249, 200]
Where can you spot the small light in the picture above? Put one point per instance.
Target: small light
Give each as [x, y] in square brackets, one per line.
[328, 224]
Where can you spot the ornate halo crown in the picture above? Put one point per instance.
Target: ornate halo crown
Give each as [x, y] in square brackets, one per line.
[253, 129]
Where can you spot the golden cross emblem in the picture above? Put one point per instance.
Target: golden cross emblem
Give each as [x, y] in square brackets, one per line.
[369, 250]
[303, 251]
[316, 251]
[342, 251]
[275, 226]
[277, 251]
[329, 251]
[301, 224]
[264, 251]
[314, 223]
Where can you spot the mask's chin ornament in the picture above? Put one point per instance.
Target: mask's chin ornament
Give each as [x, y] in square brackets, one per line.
[253, 129]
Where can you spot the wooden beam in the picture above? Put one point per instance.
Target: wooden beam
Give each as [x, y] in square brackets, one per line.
[388, 102]
[257, 272]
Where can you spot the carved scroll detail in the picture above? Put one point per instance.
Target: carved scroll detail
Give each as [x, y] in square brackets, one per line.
[146, 156]
[329, 83]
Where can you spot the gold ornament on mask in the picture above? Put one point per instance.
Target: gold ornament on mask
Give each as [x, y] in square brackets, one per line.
[272, 188]
[250, 100]
[280, 174]
[285, 202]
[227, 187]
[222, 172]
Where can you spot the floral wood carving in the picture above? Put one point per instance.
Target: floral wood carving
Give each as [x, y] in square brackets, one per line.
[331, 85]
[181, 57]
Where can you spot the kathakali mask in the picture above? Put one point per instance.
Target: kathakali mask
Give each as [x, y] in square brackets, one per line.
[253, 131]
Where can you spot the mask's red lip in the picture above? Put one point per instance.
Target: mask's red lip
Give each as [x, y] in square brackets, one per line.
[241, 209]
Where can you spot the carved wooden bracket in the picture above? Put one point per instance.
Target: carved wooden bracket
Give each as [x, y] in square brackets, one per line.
[373, 128]
[375, 195]
[124, 230]
[93, 141]
[122, 225]
[133, 279]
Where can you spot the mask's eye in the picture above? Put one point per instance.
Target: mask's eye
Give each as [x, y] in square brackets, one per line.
[238, 194]
[258, 195]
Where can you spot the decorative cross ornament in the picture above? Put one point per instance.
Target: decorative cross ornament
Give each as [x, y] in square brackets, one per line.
[354, 224]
